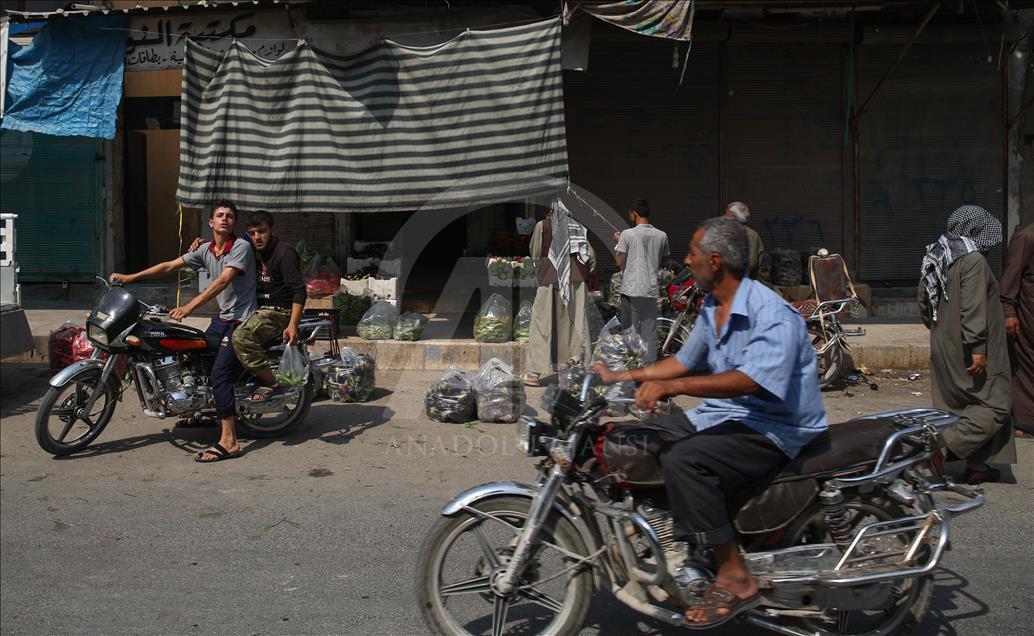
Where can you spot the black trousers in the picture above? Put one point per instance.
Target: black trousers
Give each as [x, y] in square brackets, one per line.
[226, 366]
[706, 472]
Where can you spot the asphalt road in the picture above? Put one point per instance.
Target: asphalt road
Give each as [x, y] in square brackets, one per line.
[319, 533]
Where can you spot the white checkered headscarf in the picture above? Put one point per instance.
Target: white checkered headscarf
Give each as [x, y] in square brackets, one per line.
[970, 229]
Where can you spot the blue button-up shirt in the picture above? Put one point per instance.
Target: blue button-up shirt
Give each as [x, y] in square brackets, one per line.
[765, 338]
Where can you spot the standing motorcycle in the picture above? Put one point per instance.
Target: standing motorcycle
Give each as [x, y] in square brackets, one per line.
[169, 365]
[844, 541]
[685, 299]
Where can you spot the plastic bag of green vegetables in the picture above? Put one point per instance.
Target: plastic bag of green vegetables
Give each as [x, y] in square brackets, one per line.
[493, 321]
[353, 378]
[410, 326]
[619, 351]
[522, 325]
[500, 394]
[293, 369]
[451, 399]
[378, 323]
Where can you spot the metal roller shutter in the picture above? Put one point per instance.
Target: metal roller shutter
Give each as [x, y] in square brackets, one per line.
[783, 141]
[930, 142]
[633, 132]
[54, 185]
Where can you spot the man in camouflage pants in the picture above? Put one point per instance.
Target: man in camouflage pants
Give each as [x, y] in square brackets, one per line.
[281, 299]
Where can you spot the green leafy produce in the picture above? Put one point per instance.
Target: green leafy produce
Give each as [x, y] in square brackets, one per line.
[410, 326]
[500, 267]
[351, 307]
[491, 329]
[374, 331]
[521, 334]
[522, 326]
[290, 378]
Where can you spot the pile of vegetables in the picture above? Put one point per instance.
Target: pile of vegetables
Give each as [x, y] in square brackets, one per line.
[351, 307]
[353, 379]
[500, 267]
[451, 399]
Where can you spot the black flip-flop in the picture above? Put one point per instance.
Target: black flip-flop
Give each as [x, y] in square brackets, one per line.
[718, 598]
[219, 452]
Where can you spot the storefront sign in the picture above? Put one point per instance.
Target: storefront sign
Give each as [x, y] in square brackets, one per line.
[156, 41]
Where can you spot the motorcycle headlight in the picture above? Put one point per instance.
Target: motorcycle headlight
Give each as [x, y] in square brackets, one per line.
[97, 334]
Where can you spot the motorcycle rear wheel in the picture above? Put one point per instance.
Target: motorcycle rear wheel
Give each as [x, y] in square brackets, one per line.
[910, 597]
[444, 575]
[60, 414]
[277, 425]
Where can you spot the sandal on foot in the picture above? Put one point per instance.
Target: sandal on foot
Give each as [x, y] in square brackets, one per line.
[219, 452]
[716, 599]
[264, 393]
[531, 379]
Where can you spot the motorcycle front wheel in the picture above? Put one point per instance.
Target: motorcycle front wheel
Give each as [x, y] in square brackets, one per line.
[462, 554]
[664, 327]
[62, 424]
[909, 598]
[829, 356]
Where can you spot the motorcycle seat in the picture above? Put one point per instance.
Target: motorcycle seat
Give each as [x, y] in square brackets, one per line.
[845, 448]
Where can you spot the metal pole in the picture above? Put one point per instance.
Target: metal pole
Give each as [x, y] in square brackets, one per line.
[904, 51]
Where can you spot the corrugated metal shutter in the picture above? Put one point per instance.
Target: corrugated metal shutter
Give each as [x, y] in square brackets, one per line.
[633, 132]
[55, 186]
[930, 142]
[783, 142]
[315, 228]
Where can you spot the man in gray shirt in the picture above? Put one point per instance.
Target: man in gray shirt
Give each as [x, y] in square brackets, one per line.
[230, 261]
[638, 254]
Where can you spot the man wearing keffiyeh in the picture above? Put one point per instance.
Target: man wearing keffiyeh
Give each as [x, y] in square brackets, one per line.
[559, 322]
[959, 301]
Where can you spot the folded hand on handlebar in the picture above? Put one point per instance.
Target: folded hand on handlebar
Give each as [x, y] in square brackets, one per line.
[650, 393]
[119, 278]
[606, 375]
[179, 313]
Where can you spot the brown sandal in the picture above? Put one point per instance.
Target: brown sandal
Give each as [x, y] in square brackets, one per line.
[716, 599]
[264, 393]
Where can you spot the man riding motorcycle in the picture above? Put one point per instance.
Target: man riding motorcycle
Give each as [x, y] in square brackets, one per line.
[762, 406]
[230, 261]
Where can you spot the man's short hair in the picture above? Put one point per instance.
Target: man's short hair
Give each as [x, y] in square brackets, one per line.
[738, 210]
[727, 237]
[640, 207]
[223, 203]
[258, 217]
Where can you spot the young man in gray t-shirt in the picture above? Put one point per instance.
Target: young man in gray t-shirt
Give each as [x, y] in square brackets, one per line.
[638, 254]
[230, 261]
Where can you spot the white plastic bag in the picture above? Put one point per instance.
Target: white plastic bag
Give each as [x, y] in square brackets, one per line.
[293, 369]
[500, 394]
[451, 399]
[522, 326]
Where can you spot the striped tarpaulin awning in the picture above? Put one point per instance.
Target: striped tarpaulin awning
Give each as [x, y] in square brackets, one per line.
[473, 121]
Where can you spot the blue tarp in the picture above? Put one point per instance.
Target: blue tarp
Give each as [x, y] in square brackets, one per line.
[68, 81]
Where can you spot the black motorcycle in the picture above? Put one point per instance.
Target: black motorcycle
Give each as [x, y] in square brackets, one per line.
[169, 364]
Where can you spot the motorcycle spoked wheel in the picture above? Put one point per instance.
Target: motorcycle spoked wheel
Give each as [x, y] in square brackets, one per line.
[460, 554]
[62, 427]
[664, 326]
[829, 362]
[909, 599]
[278, 424]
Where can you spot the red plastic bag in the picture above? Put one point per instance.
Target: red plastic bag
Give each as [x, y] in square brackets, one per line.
[322, 277]
[67, 345]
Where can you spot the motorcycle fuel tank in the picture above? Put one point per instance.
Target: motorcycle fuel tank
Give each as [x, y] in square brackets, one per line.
[169, 337]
